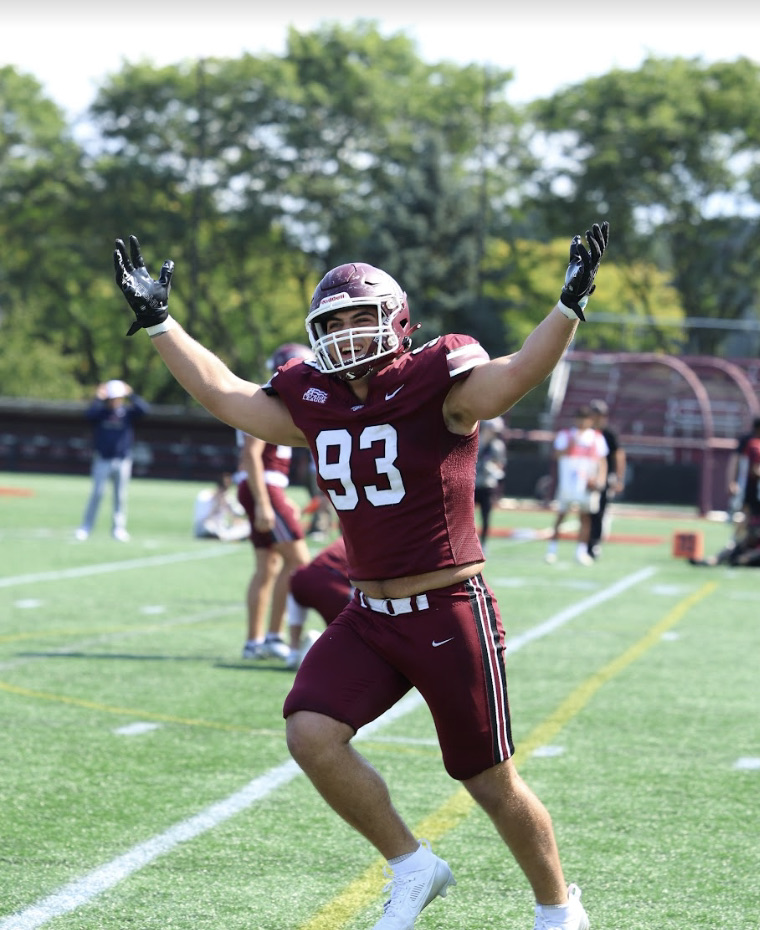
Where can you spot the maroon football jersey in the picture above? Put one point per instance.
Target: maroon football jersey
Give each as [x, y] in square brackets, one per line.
[276, 461]
[401, 483]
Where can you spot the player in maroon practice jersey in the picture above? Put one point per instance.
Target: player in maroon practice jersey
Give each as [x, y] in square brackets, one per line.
[322, 585]
[279, 546]
[393, 432]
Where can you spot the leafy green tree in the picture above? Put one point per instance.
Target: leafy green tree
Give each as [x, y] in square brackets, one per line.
[268, 171]
[671, 154]
[40, 174]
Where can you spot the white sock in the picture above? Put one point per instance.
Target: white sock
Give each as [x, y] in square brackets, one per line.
[557, 910]
[409, 862]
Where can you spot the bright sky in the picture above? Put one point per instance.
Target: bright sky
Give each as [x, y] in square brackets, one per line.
[71, 46]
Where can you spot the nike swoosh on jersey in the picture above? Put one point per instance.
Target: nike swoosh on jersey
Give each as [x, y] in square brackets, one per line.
[393, 393]
[441, 642]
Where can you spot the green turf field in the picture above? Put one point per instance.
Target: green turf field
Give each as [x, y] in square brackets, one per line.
[146, 782]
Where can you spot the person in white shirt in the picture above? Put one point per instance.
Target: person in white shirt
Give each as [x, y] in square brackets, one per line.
[581, 455]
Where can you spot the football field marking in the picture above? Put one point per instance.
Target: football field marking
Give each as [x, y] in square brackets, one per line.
[363, 890]
[137, 728]
[106, 568]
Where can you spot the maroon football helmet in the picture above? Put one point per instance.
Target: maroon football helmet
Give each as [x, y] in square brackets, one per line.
[358, 285]
[287, 351]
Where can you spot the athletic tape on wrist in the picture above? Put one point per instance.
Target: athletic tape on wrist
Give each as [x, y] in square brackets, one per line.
[570, 314]
[160, 327]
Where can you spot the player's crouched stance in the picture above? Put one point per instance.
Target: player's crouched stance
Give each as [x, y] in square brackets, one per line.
[394, 436]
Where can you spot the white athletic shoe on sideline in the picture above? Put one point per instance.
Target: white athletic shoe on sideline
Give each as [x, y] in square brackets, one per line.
[412, 892]
[253, 651]
[577, 919]
[297, 656]
[275, 649]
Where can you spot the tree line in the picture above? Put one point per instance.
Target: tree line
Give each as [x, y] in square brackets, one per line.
[257, 174]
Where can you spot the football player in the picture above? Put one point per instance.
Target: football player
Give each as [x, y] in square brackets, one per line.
[279, 546]
[322, 585]
[394, 434]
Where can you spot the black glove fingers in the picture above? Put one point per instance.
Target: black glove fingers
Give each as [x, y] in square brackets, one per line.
[121, 251]
[137, 259]
[585, 256]
[595, 244]
[118, 267]
[167, 270]
[601, 235]
[148, 299]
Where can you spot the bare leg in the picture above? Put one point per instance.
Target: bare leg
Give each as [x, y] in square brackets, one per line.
[259, 590]
[294, 554]
[584, 533]
[349, 784]
[525, 826]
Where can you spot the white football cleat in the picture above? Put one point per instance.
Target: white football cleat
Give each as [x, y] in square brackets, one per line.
[412, 891]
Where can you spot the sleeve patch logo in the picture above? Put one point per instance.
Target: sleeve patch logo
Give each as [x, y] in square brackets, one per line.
[315, 395]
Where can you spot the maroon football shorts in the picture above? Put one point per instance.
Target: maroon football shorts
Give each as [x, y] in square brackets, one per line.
[287, 523]
[452, 652]
[321, 588]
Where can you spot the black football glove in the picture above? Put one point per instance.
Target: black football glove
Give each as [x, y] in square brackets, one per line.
[148, 299]
[584, 264]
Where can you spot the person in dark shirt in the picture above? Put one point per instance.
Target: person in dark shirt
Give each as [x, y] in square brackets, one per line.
[615, 482]
[394, 434]
[490, 471]
[744, 485]
[112, 413]
[742, 550]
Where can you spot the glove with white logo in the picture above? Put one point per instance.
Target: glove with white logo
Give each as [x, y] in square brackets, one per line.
[148, 299]
[584, 264]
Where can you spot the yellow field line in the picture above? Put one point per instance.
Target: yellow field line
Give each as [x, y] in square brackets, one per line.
[133, 712]
[46, 634]
[363, 891]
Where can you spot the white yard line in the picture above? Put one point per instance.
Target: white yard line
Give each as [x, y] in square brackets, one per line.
[82, 890]
[105, 568]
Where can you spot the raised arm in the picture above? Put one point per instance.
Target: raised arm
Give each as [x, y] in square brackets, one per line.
[491, 389]
[242, 404]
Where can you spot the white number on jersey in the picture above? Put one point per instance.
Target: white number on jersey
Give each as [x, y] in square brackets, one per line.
[340, 469]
